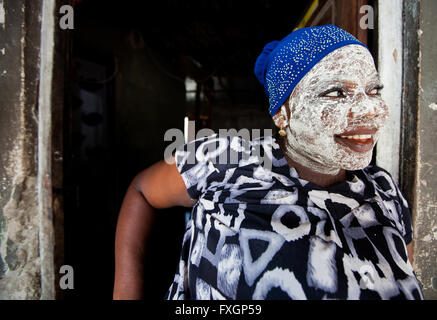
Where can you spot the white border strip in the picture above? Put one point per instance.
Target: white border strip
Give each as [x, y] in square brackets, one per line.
[46, 233]
[390, 70]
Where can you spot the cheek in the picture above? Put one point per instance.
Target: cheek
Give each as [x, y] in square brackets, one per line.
[313, 119]
[381, 115]
[384, 110]
[303, 138]
[335, 117]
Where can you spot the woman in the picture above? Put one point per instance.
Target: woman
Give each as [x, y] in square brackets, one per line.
[315, 222]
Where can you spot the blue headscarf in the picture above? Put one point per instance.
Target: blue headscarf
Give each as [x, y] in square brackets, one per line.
[282, 64]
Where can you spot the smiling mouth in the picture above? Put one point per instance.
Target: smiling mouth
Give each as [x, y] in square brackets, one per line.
[358, 140]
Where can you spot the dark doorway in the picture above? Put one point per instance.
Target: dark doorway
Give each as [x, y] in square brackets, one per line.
[130, 73]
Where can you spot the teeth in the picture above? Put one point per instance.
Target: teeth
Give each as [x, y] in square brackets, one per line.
[358, 137]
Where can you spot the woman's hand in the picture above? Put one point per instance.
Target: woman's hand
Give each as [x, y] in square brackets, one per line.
[159, 186]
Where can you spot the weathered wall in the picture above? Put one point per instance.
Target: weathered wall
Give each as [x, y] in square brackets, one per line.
[390, 71]
[425, 213]
[410, 96]
[19, 221]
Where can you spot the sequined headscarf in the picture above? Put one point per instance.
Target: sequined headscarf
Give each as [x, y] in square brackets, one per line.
[282, 64]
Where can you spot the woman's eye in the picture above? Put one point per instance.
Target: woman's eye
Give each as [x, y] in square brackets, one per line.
[335, 93]
[375, 91]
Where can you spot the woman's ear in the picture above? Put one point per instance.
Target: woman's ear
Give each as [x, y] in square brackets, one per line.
[281, 117]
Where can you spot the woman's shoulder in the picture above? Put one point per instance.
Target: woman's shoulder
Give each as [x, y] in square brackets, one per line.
[377, 173]
[380, 176]
[216, 158]
[384, 181]
[374, 169]
[227, 150]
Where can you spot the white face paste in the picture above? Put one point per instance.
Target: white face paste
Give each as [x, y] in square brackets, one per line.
[314, 119]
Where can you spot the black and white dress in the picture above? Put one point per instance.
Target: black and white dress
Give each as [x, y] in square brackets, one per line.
[258, 231]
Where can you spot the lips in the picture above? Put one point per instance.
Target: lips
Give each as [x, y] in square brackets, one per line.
[359, 140]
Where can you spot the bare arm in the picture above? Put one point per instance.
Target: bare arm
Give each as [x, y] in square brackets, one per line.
[159, 186]
[410, 252]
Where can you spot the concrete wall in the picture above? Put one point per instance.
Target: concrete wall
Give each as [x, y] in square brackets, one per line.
[390, 71]
[20, 264]
[27, 268]
[425, 210]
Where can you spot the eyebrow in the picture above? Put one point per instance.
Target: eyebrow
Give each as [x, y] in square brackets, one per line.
[376, 82]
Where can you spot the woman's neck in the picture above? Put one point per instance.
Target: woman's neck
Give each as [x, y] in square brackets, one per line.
[320, 179]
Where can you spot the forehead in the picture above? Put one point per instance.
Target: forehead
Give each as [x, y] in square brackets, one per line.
[352, 63]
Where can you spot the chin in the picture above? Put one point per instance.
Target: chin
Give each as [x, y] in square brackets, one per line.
[357, 163]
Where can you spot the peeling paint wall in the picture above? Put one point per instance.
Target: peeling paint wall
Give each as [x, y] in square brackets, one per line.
[21, 272]
[425, 213]
[20, 262]
[2, 14]
[390, 71]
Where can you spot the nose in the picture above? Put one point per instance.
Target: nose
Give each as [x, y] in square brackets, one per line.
[367, 109]
[371, 112]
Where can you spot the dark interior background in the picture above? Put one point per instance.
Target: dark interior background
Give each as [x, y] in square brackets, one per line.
[127, 84]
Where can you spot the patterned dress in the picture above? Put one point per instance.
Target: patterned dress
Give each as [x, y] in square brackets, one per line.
[258, 231]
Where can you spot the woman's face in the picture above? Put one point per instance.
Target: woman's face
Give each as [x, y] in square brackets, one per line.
[335, 112]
